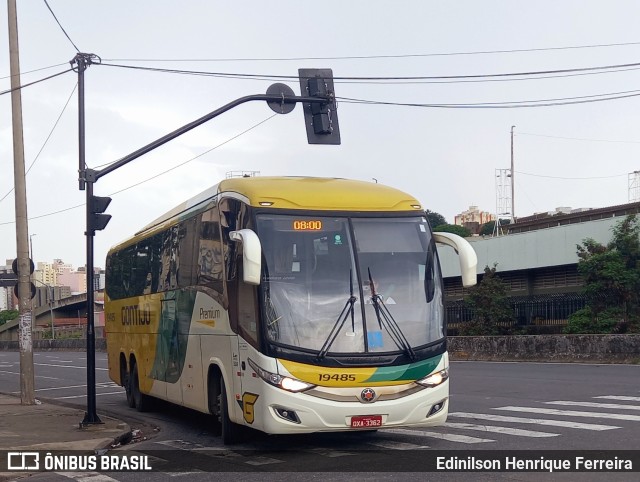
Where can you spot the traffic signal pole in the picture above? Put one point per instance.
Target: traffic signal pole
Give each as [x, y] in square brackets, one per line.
[280, 99]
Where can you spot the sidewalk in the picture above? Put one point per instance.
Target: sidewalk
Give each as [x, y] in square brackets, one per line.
[46, 426]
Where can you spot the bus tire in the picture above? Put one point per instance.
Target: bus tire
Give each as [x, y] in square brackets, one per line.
[142, 402]
[230, 431]
[125, 381]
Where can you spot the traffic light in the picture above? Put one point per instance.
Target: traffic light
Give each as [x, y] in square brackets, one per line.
[321, 118]
[97, 220]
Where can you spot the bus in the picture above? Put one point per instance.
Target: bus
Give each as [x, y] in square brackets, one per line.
[288, 305]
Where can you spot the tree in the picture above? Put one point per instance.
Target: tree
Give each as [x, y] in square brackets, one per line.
[453, 228]
[611, 277]
[488, 228]
[488, 300]
[435, 219]
[8, 315]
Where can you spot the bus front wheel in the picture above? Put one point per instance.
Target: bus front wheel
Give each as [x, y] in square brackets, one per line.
[230, 431]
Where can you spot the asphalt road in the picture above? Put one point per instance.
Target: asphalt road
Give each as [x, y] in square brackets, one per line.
[496, 407]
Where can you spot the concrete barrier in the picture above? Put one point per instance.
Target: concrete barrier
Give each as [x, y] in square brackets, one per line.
[542, 348]
[70, 344]
[548, 348]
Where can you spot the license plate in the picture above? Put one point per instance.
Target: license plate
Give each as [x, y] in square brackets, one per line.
[366, 421]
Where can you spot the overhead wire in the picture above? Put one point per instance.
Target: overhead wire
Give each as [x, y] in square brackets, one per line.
[390, 56]
[61, 27]
[156, 175]
[337, 79]
[575, 138]
[36, 70]
[46, 140]
[8, 91]
[502, 105]
[571, 178]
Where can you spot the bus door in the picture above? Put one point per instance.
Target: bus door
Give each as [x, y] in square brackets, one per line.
[168, 348]
[248, 386]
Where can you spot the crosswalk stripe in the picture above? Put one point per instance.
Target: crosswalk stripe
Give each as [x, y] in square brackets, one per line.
[263, 461]
[330, 453]
[535, 421]
[87, 476]
[443, 436]
[620, 397]
[572, 413]
[398, 445]
[503, 430]
[613, 406]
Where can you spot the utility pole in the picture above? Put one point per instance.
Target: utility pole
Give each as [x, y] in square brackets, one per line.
[27, 385]
[513, 183]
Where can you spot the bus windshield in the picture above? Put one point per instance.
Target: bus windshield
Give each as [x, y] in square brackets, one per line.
[350, 285]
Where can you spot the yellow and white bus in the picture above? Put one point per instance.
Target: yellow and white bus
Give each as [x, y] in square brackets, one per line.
[286, 304]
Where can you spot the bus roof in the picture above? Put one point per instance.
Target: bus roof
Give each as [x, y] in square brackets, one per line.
[312, 193]
[317, 193]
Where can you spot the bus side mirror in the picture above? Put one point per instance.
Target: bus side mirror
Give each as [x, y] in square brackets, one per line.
[468, 257]
[251, 254]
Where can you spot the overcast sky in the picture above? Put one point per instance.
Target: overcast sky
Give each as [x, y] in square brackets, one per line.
[576, 155]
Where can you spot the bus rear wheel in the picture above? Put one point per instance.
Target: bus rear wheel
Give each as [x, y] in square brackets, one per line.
[141, 401]
[125, 381]
[230, 431]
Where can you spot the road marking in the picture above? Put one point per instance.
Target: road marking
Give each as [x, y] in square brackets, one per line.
[83, 396]
[535, 421]
[181, 444]
[620, 397]
[87, 476]
[66, 366]
[397, 445]
[37, 376]
[503, 430]
[572, 413]
[263, 461]
[613, 406]
[98, 385]
[330, 453]
[443, 436]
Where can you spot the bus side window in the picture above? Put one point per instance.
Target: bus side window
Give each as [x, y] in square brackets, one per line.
[230, 220]
[210, 261]
[187, 270]
[247, 312]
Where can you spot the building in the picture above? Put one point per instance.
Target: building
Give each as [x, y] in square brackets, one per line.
[473, 219]
[537, 260]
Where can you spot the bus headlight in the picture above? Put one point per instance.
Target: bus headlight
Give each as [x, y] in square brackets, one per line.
[435, 379]
[286, 383]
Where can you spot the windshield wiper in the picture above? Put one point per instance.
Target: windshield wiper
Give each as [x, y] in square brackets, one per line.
[386, 321]
[342, 317]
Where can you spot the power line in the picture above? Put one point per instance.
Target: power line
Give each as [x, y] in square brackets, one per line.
[35, 70]
[236, 75]
[571, 178]
[502, 105]
[8, 91]
[156, 175]
[46, 140]
[396, 56]
[61, 27]
[577, 138]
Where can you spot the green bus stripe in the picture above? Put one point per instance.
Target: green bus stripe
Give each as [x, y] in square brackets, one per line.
[412, 371]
